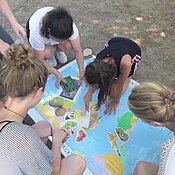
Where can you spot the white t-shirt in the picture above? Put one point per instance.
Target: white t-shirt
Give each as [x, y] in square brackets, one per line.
[37, 41]
[167, 158]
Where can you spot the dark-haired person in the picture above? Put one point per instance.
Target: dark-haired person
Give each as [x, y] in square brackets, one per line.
[5, 39]
[51, 32]
[22, 151]
[111, 72]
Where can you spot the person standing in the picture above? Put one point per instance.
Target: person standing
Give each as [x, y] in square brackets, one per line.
[5, 39]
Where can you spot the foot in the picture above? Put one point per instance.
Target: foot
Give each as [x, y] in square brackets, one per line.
[61, 57]
[52, 61]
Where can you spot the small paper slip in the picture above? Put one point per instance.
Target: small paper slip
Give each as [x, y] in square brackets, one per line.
[86, 120]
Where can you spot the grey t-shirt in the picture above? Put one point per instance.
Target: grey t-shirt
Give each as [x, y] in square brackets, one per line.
[22, 152]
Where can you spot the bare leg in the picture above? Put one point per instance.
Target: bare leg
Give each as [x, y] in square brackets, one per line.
[72, 165]
[48, 52]
[146, 168]
[65, 46]
[43, 129]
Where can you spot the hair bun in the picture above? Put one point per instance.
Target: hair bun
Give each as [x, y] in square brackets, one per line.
[19, 55]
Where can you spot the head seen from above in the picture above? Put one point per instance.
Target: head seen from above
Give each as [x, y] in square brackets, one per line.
[152, 103]
[57, 24]
[22, 73]
[100, 74]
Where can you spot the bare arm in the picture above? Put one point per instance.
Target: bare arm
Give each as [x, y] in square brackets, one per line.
[3, 47]
[59, 136]
[41, 55]
[44, 130]
[125, 68]
[6, 11]
[88, 97]
[78, 54]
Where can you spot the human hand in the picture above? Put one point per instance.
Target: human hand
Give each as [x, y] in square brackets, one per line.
[60, 135]
[59, 79]
[3, 47]
[111, 107]
[87, 99]
[19, 30]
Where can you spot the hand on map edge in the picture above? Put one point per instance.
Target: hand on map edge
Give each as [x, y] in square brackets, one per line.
[111, 107]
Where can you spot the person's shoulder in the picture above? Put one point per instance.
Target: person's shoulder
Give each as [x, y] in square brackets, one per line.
[121, 39]
[44, 9]
[75, 33]
[19, 130]
[167, 157]
[38, 14]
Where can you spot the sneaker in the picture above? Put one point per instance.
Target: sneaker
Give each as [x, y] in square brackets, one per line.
[52, 61]
[61, 57]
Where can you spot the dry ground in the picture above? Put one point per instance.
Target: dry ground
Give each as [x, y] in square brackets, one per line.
[151, 23]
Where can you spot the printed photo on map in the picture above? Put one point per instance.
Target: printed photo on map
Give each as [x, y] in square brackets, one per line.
[71, 95]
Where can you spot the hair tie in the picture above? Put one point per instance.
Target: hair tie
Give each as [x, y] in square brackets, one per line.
[166, 98]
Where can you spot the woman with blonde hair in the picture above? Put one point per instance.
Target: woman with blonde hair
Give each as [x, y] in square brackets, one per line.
[154, 104]
[22, 151]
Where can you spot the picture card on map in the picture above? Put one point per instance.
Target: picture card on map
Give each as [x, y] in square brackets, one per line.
[71, 89]
[69, 86]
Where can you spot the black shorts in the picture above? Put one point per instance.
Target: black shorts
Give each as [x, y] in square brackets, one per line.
[27, 29]
[5, 37]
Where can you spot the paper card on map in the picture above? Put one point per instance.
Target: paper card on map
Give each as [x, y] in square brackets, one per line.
[86, 120]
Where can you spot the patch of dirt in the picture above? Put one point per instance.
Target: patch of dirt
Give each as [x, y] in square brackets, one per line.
[150, 23]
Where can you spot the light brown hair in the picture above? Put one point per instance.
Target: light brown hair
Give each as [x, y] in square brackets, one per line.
[22, 72]
[152, 101]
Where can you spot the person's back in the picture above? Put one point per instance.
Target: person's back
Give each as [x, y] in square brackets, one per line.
[22, 80]
[21, 145]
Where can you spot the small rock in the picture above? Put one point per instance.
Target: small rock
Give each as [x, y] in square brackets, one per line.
[138, 18]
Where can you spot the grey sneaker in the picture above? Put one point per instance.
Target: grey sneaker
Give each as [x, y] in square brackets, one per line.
[61, 57]
[52, 61]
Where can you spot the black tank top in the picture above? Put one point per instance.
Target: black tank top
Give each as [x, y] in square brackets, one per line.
[118, 47]
[7, 122]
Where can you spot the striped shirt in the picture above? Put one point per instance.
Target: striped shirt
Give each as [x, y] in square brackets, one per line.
[22, 152]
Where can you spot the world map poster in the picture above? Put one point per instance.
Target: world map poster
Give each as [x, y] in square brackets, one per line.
[111, 145]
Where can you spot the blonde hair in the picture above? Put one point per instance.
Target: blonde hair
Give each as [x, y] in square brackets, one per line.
[22, 72]
[153, 102]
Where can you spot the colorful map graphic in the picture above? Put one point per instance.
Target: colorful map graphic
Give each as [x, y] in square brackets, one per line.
[111, 145]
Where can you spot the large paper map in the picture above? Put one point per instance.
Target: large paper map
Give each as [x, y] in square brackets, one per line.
[111, 145]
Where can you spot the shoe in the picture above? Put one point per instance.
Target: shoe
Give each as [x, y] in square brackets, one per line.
[52, 61]
[61, 57]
